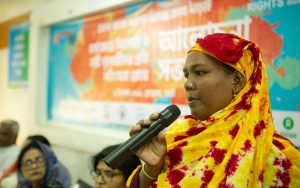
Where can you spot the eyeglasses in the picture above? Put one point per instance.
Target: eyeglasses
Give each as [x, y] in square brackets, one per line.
[107, 175]
[38, 161]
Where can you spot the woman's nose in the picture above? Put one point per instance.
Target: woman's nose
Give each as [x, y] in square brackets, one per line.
[34, 165]
[188, 85]
[99, 179]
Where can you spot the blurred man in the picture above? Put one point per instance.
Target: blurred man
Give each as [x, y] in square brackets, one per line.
[8, 149]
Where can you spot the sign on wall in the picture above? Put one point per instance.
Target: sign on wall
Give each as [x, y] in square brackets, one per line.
[114, 68]
[18, 56]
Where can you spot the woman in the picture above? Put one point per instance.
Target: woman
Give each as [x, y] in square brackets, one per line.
[229, 139]
[38, 167]
[106, 177]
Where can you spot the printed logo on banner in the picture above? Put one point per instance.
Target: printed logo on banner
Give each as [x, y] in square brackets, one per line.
[288, 125]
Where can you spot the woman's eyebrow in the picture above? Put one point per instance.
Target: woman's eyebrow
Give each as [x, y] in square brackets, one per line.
[195, 66]
[199, 64]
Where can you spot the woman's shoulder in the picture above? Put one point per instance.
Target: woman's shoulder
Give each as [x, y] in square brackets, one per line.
[59, 176]
[184, 122]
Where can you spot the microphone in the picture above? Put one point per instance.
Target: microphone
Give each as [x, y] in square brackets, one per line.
[122, 153]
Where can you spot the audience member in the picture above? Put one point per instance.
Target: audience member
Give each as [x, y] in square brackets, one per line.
[8, 152]
[38, 166]
[105, 177]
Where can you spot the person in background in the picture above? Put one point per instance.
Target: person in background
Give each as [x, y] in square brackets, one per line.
[37, 166]
[44, 140]
[38, 137]
[9, 151]
[104, 176]
[229, 139]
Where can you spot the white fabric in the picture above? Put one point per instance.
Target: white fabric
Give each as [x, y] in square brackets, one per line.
[8, 155]
[10, 181]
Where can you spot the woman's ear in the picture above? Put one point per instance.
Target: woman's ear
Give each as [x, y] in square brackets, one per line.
[238, 81]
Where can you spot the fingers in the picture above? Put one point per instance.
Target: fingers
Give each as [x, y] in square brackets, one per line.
[143, 123]
[153, 116]
[161, 138]
[147, 122]
[135, 129]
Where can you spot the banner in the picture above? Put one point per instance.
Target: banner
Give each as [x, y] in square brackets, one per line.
[114, 68]
[18, 56]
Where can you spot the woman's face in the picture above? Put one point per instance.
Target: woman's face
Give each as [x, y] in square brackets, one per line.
[106, 177]
[208, 85]
[33, 166]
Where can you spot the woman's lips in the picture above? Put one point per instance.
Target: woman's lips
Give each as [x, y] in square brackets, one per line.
[191, 100]
[35, 173]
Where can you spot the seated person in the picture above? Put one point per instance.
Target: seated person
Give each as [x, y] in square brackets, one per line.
[38, 166]
[8, 152]
[42, 139]
[104, 176]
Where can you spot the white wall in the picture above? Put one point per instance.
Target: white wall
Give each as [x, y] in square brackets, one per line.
[13, 102]
[72, 144]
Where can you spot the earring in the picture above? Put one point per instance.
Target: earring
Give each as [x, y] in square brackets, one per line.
[233, 93]
[233, 82]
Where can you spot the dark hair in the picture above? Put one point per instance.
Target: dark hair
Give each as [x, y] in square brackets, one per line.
[127, 167]
[228, 68]
[40, 138]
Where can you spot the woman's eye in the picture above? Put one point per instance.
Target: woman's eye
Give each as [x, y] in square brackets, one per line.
[199, 73]
[109, 173]
[186, 75]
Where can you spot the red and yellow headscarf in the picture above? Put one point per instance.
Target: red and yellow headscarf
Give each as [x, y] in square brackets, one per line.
[236, 146]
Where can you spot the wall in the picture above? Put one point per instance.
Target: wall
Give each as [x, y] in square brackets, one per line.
[13, 102]
[72, 144]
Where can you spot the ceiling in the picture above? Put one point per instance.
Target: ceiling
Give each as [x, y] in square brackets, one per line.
[13, 8]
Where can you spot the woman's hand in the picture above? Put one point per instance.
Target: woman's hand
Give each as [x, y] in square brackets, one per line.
[153, 152]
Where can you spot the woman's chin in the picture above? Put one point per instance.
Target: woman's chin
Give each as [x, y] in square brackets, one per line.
[198, 115]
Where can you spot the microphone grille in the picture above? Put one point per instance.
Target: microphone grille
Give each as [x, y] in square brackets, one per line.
[174, 110]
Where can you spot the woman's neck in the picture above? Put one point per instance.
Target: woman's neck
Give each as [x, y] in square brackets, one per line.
[35, 184]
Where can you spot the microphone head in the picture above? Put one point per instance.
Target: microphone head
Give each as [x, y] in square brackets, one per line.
[170, 114]
[174, 110]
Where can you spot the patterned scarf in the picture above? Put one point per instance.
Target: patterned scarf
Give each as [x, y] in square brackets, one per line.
[236, 146]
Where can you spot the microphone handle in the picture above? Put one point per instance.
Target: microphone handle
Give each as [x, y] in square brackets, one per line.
[128, 148]
[122, 153]
[148, 134]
